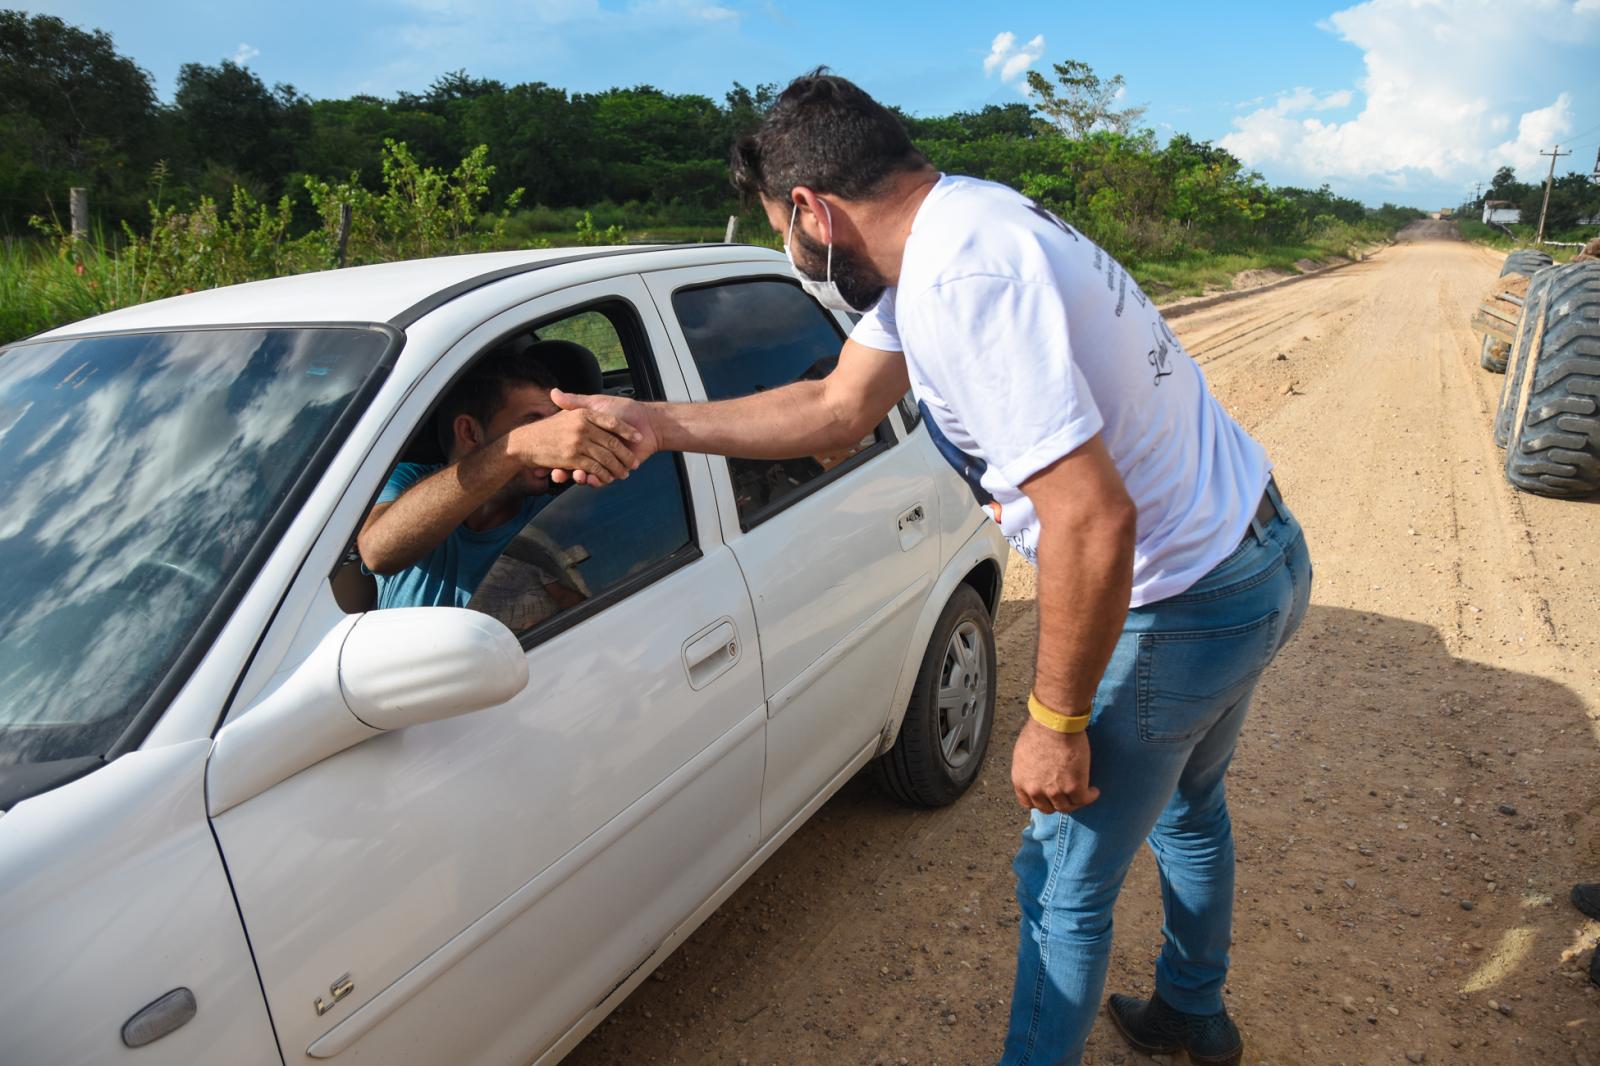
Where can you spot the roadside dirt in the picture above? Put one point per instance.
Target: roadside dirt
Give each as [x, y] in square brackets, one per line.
[1413, 796]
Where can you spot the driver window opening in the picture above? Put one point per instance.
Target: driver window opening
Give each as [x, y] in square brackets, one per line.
[535, 553]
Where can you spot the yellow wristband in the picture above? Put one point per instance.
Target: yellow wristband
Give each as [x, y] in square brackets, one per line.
[1055, 720]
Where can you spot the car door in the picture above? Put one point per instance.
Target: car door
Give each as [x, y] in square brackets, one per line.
[467, 889]
[840, 551]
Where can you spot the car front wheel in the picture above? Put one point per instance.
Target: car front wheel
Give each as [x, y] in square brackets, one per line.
[946, 730]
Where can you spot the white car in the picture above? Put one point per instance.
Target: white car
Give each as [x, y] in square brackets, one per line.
[247, 819]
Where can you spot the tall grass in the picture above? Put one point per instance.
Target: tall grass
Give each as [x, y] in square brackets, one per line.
[1195, 272]
[43, 286]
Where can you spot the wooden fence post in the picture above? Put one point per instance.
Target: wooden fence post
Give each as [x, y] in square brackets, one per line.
[78, 197]
[732, 235]
[344, 231]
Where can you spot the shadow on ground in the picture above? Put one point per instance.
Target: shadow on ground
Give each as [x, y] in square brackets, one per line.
[1408, 825]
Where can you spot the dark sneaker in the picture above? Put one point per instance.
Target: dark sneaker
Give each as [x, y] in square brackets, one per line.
[1156, 1028]
[1587, 899]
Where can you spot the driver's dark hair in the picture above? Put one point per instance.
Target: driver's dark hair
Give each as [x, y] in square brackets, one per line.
[481, 391]
[825, 133]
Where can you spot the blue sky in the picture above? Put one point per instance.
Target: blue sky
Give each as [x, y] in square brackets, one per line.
[1405, 100]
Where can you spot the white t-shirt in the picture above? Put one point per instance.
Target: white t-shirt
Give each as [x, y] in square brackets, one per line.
[1024, 339]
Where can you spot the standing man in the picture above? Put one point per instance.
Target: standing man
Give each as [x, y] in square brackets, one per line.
[1170, 572]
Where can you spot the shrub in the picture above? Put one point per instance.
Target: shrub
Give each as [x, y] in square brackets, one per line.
[421, 211]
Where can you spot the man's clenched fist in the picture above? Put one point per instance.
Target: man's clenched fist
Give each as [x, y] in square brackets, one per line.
[1050, 770]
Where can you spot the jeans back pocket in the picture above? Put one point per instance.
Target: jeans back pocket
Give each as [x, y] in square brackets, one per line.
[1187, 679]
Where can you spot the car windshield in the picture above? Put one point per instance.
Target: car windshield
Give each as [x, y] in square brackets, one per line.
[138, 473]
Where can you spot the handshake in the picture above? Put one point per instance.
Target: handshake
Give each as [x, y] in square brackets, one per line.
[592, 440]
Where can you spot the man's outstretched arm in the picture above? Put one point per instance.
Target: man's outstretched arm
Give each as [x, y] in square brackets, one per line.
[803, 418]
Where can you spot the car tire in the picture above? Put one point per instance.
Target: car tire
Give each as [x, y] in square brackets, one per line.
[946, 730]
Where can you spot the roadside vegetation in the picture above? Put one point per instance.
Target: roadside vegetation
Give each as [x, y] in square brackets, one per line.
[1574, 198]
[235, 180]
[1522, 236]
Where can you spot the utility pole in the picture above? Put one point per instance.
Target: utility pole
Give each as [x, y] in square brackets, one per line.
[1549, 181]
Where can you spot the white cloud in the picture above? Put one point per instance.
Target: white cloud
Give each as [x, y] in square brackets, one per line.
[245, 53]
[687, 9]
[1012, 62]
[1445, 82]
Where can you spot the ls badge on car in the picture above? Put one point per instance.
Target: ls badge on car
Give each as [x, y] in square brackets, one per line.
[336, 991]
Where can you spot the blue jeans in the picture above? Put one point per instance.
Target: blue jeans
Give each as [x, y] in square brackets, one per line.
[1166, 717]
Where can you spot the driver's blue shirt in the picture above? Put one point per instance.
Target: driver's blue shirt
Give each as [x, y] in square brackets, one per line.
[451, 573]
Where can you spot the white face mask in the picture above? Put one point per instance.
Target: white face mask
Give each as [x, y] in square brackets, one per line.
[825, 292]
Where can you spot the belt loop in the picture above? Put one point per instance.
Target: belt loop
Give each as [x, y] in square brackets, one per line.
[1276, 497]
[1257, 530]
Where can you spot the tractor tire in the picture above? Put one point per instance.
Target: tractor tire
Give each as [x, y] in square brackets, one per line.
[1527, 261]
[1554, 447]
[1492, 356]
[1528, 327]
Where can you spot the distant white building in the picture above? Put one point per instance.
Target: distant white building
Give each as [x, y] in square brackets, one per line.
[1501, 211]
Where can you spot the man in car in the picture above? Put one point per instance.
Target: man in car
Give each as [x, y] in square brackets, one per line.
[437, 530]
[1169, 570]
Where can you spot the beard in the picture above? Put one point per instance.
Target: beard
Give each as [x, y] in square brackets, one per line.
[858, 282]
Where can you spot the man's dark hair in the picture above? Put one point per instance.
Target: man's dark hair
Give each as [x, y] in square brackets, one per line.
[822, 132]
[481, 391]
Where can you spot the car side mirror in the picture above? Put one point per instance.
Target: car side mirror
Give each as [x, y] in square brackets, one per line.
[374, 672]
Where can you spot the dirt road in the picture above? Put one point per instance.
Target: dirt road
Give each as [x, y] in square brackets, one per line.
[1413, 796]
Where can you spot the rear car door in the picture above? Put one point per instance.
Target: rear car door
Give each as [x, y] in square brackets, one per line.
[466, 890]
[840, 551]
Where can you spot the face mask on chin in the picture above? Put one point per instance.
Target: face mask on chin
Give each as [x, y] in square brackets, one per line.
[849, 292]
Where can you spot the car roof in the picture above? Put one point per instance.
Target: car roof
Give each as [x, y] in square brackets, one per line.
[399, 292]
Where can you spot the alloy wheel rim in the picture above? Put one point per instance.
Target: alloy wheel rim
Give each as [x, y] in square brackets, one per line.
[963, 695]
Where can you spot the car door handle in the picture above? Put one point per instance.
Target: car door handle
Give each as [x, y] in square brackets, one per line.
[711, 652]
[912, 527]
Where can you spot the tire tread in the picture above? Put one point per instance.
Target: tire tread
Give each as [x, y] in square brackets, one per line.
[1557, 447]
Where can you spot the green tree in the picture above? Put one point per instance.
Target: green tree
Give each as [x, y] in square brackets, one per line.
[745, 108]
[230, 118]
[73, 111]
[541, 143]
[1080, 102]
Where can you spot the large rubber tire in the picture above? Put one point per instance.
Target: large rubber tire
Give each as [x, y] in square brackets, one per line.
[1554, 445]
[922, 769]
[1528, 327]
[1492, 356]
[1528, 261]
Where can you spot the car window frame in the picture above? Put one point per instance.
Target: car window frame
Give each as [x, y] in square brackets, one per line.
[883, 431]
[635, 350]
[626, 318]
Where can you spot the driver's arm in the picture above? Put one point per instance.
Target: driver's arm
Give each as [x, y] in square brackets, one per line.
[803, 418]
[401, 532]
